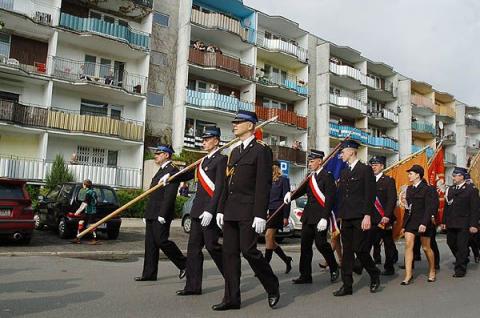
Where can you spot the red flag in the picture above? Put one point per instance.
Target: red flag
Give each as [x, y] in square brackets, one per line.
[436, 178]
[259, 134]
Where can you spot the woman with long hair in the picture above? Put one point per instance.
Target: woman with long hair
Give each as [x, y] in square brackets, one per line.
[280, 186]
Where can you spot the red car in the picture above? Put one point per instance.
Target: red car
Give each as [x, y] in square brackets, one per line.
[16, 213]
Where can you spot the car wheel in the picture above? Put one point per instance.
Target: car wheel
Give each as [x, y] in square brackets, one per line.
[113, 232]
[187, 223]
[39, 225]
[63, 230]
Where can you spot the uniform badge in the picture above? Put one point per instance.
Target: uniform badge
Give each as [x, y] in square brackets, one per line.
[206, 169]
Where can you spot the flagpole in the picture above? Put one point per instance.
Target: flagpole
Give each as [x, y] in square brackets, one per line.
[437, 149]
[161, 185]
[405, 159]
[474, 161]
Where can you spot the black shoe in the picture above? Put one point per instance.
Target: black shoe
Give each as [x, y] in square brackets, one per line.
[182, 273]
[388, 272]
[223, 307]
[459, 275]
[301, 280]
[183, 292]
[407, 282]
[334, 275]
[273, 299]
[342, 292]
[289, 265]
[395, 258]
[375, 284]
[144, 279]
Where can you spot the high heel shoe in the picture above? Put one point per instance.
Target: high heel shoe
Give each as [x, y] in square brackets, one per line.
[431, 279]
[289, 265]
[407, 282]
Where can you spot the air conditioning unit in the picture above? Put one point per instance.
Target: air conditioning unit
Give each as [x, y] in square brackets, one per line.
[42, 17]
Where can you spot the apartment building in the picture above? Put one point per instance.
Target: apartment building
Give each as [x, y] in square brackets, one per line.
[73, 81]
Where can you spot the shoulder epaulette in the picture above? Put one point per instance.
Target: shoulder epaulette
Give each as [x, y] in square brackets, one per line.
[261, 142]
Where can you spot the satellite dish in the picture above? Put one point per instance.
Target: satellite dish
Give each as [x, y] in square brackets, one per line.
[440, 124]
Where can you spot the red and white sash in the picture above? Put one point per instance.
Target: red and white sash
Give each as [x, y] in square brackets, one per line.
[207, 184]
[317, 193]
[381, 211]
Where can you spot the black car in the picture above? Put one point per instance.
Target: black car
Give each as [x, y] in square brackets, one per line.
[56, 210]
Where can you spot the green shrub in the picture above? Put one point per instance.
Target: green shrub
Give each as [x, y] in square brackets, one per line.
[59, 173]
[34, 191]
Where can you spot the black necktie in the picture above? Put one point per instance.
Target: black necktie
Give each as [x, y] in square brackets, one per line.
[242, 147]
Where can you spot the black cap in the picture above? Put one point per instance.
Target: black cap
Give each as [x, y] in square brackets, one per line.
[315, 154]
[378, 159]
[350, 144]
[245, 115]
[417, 169]
[163, 148]
[276, 163]
[460, 170]
[211, 131]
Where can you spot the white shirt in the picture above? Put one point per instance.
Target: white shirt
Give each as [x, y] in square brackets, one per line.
[416, 184]
[165, 164]
[211, 153]
[247, 141]
[378, 176]
[460, 185]
[352, 165]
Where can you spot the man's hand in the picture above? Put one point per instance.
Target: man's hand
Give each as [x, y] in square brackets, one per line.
[206, 218]
[288, 198]
[220, 220]
[285, 222]
[443, 227]
[164, 179]
[473, 229]
[402, 232]
[422, 228]
[385, 220]
[322, 225]
[366, 223]
[77, 213]
[259, 225]
[161, 220]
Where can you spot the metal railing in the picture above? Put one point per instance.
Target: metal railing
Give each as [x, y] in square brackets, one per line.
[39, 68]
[423, 127]
[284, 116]
[192, 141]
[429, 150]
[120, 32]
[296, 156]
[472, 122]
[289, 82]
[345, 70]
[383, 113]
[220, 61]
[39, 11]
[144, 3]
[282, 46]
[422, 101]
[97, 73]
[472, 143]
[210, 100]
[15, 113]
[348, 102]
[342, 131]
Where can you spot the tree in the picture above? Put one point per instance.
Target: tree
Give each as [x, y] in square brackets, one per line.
[59, 173]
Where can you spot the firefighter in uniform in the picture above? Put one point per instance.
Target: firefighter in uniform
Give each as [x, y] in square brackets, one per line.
[320, 190]
[159, 212]
[460, 218]
[242, 212]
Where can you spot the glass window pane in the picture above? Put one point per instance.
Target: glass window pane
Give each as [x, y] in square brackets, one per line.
[105, 68]
[155, 99]
[161, 19]
[89, 68]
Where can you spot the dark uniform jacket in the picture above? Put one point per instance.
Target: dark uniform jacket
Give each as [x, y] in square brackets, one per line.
[424, 205]
[313, 211]
[387, 195]
[357, 191]
[277, 193]
[248, 182]
[462, 212]
[214, 167]
[162, 202]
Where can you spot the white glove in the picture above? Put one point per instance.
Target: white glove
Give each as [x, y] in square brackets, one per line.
[220, 220]
[259, 225]
[206, 218]
[288, 198]
[322, 225]
[161, 220]
[164, 179]
[144, 222]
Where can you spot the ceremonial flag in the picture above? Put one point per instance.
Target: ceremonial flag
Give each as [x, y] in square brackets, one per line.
[335, 166]
[399, 173]
[474, 170]
[436, 178]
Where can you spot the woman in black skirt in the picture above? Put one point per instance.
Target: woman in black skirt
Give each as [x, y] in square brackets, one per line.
[419, 206]
[280, 186]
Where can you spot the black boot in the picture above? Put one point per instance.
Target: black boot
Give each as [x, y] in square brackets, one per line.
[287, 259]
[268, 255]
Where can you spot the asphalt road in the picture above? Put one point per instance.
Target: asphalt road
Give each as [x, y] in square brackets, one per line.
[51, 287]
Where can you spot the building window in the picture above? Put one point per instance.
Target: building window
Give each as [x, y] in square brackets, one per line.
[161, 19]
[4, 45]
[270, 103]
[158, 58]
[155, 99]
[96, 156]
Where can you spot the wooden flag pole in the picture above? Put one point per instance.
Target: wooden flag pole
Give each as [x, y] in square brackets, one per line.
[474, 161]
[161, 185]
[439, 146]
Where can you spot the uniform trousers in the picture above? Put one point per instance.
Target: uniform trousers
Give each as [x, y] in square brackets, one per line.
[457, 240]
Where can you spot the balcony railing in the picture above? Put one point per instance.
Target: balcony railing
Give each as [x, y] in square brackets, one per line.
[348, 102]
[447, 111]
[282, 46]
[472, 122]
[423, 127]
[38, 11]
[296, 156]
[422, 101]
[114, 30]
[38, 169]
[98, 74]
[144, 3]
[450, 158]
[39, 68]
[192, 141]
[216, 20]
[222, 62]
[384, 113]
[70, 121]
[429, 151]
[289, 82]
[342, 131]
[345, 70]
[216, 101]
[378, 83]
[284, 116]
[472, 143]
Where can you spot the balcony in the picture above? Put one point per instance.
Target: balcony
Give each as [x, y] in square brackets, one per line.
[416, 148]
[219, 21]
[279, 45]
[423, 129]
[35, 10]
[383, 117]
[113, 30]
[347, 71]
[424, 105]
[284, 116]
[295, 156]
[289, 82]
[473, 144]
[222, 62]
[144, 3]
[447, 112]
[347, 102]
[13, 66]
[342, 131]
[98, 74]
[50, 118]
[473, 124]
[449, 137]
[195, 142]
[450, 159]
[215, 101]
[37, 169]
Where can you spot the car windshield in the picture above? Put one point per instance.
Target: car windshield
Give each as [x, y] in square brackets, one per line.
[11, 191]
[301, 202]
[104, 195]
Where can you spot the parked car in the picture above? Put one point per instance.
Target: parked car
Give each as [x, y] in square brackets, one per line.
[287, 231]
[56, 209]
[16, 213]
[296, 214]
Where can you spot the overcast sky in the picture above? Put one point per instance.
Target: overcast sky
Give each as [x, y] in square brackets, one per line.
[435, 41]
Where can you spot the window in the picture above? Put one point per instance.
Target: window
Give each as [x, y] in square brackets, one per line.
[97, 156]
[200, 127]
[161, 19]
[155, 99]
[88, 107]
[90, 62]
[270, 103]
[105, 65]
[112, 158]
[158, 58]
[116, 113]
[5, 45]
